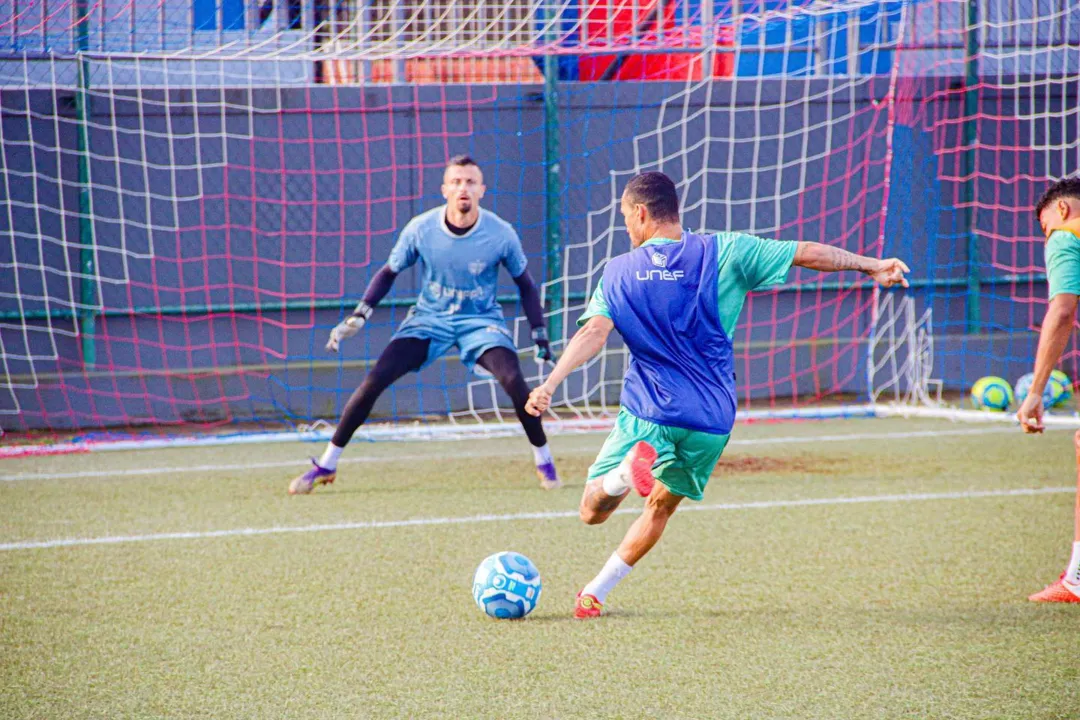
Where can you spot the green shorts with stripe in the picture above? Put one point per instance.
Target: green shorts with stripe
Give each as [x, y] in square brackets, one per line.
[685, 458]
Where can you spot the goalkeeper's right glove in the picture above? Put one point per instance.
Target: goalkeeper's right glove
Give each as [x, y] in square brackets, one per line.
[350, 326]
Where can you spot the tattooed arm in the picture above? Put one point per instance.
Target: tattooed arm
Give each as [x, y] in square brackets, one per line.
[826, 258]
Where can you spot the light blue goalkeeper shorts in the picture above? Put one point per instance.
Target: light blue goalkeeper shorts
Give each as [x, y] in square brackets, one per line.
[685, 458]
[472, 335]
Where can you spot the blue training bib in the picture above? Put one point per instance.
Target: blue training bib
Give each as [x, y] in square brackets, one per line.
[663, 301]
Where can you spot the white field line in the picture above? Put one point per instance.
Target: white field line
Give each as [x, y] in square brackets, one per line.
[747, 442]
[403, 433]
[475, 519]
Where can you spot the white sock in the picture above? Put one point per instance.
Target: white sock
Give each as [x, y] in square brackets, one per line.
[614, 571]
[1072, 573]
[617, 482]
[542, 455]
[330, 456]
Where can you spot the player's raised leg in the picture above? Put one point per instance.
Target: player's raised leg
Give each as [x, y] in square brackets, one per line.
[624, 462]
[603, 494]
[504, 365]
[401, 356]
[1067, 587]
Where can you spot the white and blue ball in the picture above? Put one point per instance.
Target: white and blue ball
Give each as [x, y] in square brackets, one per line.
[1057, 392]
[1062, 385]
[507, 586]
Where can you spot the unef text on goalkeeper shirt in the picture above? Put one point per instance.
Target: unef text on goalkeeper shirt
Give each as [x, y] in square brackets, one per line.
[460, 272]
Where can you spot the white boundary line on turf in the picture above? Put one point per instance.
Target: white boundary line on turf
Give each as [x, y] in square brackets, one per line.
[559, 515]
[747, 442]
[402, 432]
[956, 414]
[462, 432]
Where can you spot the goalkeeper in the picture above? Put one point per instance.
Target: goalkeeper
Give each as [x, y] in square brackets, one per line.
[674, 298]
[460, 248]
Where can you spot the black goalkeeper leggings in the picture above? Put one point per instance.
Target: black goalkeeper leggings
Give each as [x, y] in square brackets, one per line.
[405, 355]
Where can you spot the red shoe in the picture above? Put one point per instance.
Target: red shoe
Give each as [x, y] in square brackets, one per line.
[587, 606]
[1059, 592]
[642, 458]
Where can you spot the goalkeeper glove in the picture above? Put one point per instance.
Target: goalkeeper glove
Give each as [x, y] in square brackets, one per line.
[350, 326]
[543, 346]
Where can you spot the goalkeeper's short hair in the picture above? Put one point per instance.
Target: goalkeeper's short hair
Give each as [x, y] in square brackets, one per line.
[461, 161]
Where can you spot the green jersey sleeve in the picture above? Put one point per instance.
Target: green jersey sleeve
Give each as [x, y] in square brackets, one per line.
[597, 305]
[1063, 263]
[763, 263]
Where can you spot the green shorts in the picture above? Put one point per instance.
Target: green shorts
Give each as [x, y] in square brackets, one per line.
[685, 458]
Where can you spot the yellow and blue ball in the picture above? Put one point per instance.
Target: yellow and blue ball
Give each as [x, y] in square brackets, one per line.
[992, 393]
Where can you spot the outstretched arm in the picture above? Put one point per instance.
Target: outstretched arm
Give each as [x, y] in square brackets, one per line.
[376, 291]
[826, 258]
[1054, 336]
[534, 311]
[585, 344]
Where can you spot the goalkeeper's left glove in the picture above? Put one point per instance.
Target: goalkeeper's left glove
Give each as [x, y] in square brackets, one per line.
[543, 346]
[350, 326]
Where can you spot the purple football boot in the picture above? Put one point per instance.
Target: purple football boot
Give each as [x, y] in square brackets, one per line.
[549, 479]
[317, 475]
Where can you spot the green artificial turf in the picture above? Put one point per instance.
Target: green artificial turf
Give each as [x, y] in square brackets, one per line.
[910, 608]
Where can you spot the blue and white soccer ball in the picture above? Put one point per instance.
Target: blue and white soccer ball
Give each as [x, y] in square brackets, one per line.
[1058, 389]
[507, 586]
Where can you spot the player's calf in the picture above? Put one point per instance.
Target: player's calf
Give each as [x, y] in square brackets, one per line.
[596, 505]
[646, 530]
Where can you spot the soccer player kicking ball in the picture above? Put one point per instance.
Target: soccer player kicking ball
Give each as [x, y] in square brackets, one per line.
[1058, 212]
[674, 298]
[460, 248]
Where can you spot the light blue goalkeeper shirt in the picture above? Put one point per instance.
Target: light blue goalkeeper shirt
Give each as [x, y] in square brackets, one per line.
[460, 272]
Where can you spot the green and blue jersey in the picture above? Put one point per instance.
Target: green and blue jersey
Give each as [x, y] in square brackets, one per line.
[676, 303]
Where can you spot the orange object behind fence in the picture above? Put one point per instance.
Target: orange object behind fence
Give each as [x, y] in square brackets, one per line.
[451, 70]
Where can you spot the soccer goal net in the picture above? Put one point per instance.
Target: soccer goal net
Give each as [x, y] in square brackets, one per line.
[985, 115]
[194, 193]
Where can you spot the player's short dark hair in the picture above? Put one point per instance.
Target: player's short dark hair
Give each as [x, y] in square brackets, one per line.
[461, 161]
[657, 192]
[1063, 188]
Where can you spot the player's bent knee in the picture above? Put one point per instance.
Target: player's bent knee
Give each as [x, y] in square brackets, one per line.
[1076, 439]
[591, 516]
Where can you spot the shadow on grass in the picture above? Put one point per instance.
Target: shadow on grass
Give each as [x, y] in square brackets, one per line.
[528, 486]
[568, 617]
